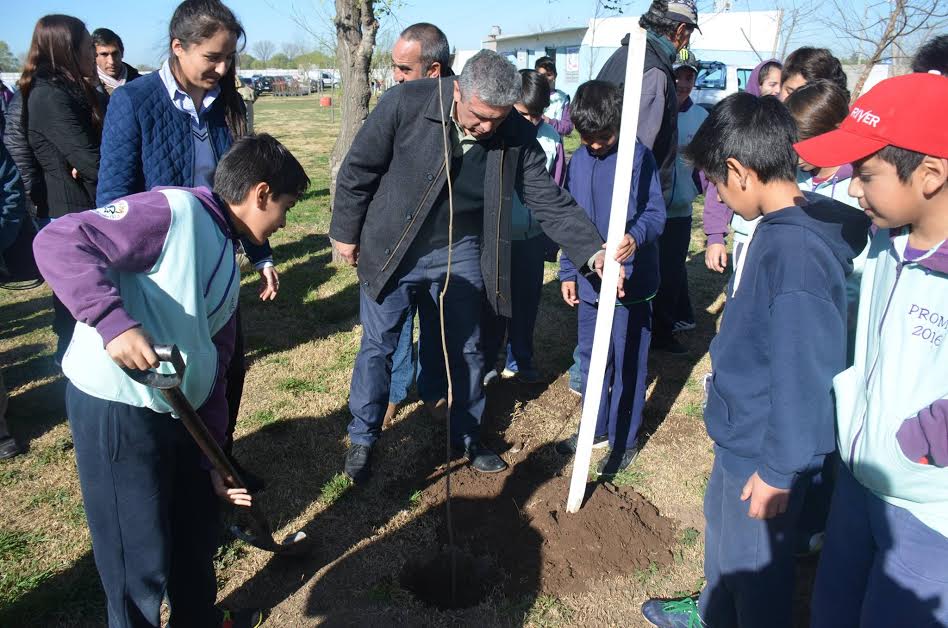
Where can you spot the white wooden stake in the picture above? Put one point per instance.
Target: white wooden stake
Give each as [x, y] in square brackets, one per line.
[610, 275]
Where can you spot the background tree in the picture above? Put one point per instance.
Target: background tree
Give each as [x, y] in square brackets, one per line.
[280, 60]
[263, 50]
[245, 60]
[293, 49]
[797, 19]
[8, 60]
[880, 30]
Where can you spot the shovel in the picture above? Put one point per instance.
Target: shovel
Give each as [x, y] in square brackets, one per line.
[259, 533]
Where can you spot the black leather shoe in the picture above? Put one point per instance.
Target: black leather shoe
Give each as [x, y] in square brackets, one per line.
[9, 448]
[483, 459]
[357, 465]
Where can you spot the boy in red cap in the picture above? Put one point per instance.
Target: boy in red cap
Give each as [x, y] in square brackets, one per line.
[885, 561]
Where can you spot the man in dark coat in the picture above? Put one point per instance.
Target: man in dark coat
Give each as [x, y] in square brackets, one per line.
[109, 52]
[392, 214]
[669, 26]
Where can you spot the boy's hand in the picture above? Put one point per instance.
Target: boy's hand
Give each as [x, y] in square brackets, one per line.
[598, 263]
[269, 283]
[349, 252]
[132, 350]
[235, 496]
[766, 501]
[568, 288]
[626, 248]
[715, 257]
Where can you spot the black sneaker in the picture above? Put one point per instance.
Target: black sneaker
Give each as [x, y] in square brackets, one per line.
[9, 448]
[568, 447]
[669, 344]
[357, 465]
[617, 461]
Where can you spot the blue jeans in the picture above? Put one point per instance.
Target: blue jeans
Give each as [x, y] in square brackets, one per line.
[748, 563]
[880, 566]
[422, 363]
[152, 513]
[576, 380]
[623, 396]
[423, 272]
[526, 287]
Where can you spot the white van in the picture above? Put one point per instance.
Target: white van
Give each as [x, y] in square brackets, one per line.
[717, 80]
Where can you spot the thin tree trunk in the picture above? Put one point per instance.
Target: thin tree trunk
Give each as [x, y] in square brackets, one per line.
[884, 42]
[356, 28]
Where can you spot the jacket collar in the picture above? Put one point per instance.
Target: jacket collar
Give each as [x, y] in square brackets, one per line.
[935, 260]
[432, 109]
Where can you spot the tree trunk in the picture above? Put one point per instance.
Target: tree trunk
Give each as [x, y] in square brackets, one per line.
[356, 28]
[885, 41]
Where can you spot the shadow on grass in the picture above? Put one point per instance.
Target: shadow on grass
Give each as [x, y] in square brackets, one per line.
[71, 598]
[22, 317]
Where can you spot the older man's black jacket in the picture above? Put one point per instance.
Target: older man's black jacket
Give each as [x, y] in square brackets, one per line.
[395, 171]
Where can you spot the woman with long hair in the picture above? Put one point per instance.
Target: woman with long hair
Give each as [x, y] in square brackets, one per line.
[170, 128]
[63, 114]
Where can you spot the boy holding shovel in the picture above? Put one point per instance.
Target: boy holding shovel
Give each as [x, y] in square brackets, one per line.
[159, 267]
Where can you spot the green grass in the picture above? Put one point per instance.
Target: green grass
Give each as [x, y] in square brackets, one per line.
[690, 536]
[297, 386]
[629, 477]
[548, 611]
[335, 488]
[414, 500]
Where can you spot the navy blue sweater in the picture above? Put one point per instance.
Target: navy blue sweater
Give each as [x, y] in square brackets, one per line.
[782, 339]
[590, 179]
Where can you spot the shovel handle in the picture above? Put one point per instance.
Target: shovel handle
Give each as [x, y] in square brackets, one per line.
[161, 381]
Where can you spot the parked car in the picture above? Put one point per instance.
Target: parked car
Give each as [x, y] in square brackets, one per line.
[265, 85]
[329, 80]
[717, 80]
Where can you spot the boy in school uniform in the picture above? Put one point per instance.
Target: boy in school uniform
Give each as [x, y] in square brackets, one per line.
[160, 267]
[782, 339]
[885, 558]
[596, 114]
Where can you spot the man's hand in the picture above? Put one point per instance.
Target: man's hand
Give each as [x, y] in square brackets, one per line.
[626, 248]
[568, 288]
[715, 257]
[132, 350]
[598, 263]
[235, 496]
[349, 252]
[766, 501]
[269, 283]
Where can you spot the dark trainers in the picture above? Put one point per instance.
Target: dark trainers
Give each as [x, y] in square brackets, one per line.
[681, 613]
[616, 461]
[568, 447]
[9, 448]
[243, 619]
[357, 465]
[683, 326]
[669, 344]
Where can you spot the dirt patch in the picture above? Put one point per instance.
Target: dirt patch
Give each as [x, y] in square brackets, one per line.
[430, 579]
[519, 522]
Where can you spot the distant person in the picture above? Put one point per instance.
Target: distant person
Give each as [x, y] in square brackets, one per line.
[109, 52]
[12, 216]
[802, 66]
[170, 128]
[885, 558]
[160, 267]
[808, 64]
[768, 77]
[669, 26]
[782, 340]
[597, 114]
[527, 251]
[421, 51]
[63, 115]
[932, 57]
[672, 307]
[556, 113]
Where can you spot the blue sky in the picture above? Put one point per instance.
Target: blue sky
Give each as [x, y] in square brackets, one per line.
[143, 24]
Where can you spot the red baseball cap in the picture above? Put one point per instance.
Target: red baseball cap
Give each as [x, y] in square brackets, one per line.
[903, 111]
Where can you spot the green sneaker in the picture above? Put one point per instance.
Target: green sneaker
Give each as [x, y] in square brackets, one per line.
[682, 613]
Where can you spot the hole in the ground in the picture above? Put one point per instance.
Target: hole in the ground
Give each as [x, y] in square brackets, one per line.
[429, 580]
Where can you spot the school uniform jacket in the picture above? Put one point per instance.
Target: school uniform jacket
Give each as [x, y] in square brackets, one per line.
[163, 260]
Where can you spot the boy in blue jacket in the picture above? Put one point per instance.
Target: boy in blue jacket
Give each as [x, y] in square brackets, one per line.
[160, 267]
[596, 113]
[885, 560]
[782, 339]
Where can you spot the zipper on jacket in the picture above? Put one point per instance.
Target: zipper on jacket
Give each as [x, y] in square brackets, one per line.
[413, 219]
[875, 363]
[500, 209]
